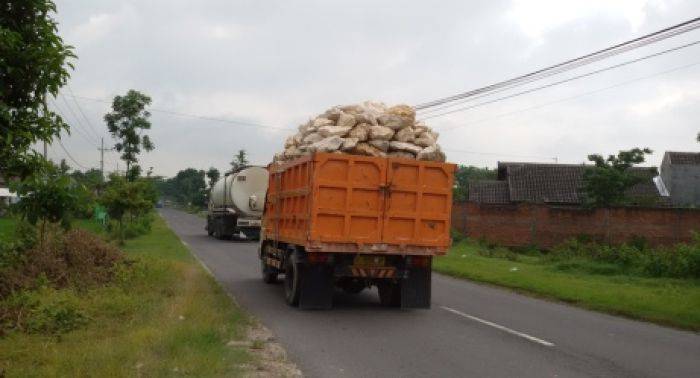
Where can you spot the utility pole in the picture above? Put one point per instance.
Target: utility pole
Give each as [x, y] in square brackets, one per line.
[102, 158]
[102, 150]
[45, 150]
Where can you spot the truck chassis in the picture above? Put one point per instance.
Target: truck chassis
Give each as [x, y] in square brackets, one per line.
[311, 277]
[227, 225]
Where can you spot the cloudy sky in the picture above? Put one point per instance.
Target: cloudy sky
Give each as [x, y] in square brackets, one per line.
[276, 63]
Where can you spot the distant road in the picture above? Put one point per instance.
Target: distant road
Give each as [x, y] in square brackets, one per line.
[471, 331]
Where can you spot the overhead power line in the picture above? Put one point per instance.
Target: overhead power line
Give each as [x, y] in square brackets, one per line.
[573, 63]
[206, 118]
[79, 124]
[69, 155]
[575, 96]
[80, 109]
[677, 48]
[74, 126]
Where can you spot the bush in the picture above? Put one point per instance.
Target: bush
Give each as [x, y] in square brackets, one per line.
[138, 226]
[456, 236]
[44, 311]
[680, 261]
[74, 258]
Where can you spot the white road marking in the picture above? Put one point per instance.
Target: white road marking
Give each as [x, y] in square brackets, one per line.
[206, 268]
[498, 326]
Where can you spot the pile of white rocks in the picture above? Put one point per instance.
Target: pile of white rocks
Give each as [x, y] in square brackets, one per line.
[370, 129]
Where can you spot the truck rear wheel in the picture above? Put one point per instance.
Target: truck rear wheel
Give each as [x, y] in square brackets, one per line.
[292, 280]
[389, 294]
[269, 274]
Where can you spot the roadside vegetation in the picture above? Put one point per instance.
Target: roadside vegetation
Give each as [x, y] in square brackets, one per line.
[634, 280]
[152, 311]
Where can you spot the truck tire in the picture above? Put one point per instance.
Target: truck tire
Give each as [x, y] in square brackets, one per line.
[389, 294]
[292, 280]
[269, 274]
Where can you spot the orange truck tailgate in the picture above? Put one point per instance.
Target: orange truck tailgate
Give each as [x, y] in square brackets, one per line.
[349, 203]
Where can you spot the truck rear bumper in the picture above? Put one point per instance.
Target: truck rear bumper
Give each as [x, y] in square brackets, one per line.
[375, 248]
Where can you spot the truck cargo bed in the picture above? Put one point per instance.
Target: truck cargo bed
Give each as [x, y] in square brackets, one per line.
[359, 204]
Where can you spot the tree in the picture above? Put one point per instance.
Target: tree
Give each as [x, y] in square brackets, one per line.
[34, 62]
[63, 167]
[48, 196]
[213, 175]
[126, 123]
[606, 183]
[91, 178]
[466, 174]
[240, 161]
[190, 187]
[122, 197]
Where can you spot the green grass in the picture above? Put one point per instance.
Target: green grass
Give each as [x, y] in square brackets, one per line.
[596, 286]
[164, 316]
[7, 226]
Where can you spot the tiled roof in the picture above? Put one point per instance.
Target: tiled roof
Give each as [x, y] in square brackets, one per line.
[692, 158]
[549, 183]
[553, 183]
[489, 191]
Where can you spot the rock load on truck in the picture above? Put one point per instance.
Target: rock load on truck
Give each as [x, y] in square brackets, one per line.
[369, 128]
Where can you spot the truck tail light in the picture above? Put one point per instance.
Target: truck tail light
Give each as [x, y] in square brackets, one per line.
[418, 261]
[317, 258]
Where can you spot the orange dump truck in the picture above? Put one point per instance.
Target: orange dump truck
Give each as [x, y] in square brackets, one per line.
[352, 222]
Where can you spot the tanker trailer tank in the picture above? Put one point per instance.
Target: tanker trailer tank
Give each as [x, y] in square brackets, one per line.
[236, 204]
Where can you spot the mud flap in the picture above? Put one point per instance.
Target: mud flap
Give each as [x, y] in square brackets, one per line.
[415, 289]
[316, 288]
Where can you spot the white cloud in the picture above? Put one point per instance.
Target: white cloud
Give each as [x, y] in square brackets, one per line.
[537, 17]
[278, 63]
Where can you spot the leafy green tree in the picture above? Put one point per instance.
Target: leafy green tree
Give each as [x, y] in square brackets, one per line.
[466, 174]
[190, 187]
[606, 183]
[91, 178]
[34, 63]
[48, 196]
[126, 123]
[213, 175]
[63, 167]
[122, 198]
[240, 161]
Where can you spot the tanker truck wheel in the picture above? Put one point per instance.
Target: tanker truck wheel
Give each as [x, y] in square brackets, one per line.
[292, 280]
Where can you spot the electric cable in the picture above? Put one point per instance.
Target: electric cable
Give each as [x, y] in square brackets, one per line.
[206, 118]
[80, 109]
[575, 96]
[677, 48]
[576, 62]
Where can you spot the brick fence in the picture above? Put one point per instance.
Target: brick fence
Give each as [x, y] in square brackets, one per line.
[546, 226]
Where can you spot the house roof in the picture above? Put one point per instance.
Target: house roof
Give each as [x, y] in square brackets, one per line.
[549, 183]
[533, 182]
[489, 191]
[682, 158]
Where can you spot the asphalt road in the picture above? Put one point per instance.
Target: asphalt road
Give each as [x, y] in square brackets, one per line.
[471, 330]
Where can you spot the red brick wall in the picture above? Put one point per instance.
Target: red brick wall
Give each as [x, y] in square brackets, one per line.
[546, 226]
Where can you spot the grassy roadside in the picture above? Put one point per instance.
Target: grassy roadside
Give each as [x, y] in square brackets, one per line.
[164, 316]
[667, 301]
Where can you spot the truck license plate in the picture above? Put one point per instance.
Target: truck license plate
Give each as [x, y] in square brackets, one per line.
[368, 261]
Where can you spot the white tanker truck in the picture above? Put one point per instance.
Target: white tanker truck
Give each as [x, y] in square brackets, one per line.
[236, 204]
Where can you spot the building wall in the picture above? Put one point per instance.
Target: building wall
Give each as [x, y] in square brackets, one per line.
[683, 183]
[546, 226]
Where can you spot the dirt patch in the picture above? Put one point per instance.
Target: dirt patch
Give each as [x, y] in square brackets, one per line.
[269, 356]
